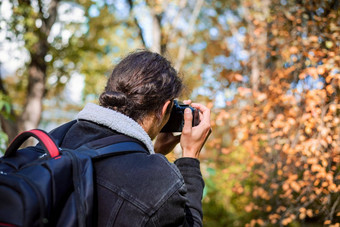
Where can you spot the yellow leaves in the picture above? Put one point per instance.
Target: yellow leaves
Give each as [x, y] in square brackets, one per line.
[308, 130]
[329, 44]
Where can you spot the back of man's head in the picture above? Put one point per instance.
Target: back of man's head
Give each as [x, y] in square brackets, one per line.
[140, 84]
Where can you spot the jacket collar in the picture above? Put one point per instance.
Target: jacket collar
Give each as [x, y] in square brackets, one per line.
[117, 122]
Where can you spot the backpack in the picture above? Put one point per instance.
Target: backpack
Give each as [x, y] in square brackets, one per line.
[45, 185]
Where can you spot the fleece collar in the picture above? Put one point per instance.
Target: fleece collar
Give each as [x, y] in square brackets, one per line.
[117, 122]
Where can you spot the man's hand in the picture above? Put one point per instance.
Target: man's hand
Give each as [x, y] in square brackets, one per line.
[193, 138]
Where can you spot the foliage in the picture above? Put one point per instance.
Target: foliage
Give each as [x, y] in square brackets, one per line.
[286, 118]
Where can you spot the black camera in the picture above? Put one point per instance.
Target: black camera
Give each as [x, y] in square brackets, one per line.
[176, 120]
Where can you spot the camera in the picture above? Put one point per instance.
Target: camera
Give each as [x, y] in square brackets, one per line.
[176, 120]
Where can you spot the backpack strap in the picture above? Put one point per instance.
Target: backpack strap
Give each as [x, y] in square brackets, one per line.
[111, 146]
[108, 146]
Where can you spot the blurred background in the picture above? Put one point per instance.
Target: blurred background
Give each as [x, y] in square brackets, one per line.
[268, 69]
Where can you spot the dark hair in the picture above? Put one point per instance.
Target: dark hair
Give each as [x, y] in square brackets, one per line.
[140, 84]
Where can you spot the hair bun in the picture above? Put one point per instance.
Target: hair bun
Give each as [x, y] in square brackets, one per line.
[113, 99]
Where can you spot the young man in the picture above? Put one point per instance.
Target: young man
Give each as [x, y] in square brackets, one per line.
[143, 188]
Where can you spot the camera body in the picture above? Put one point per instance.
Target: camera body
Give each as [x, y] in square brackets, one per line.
[176, 120]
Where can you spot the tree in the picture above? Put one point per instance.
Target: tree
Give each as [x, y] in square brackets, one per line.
[54, 56]
[31, 23]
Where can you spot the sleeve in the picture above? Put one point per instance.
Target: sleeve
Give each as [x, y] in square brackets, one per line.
[190, 170]
[184, 207]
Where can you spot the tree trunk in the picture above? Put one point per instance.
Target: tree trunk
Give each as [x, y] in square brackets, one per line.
[31, 114]
[256, 14]
[37, 69]
[156, 32]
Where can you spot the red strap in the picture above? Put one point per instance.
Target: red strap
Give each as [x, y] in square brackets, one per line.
[47, 141]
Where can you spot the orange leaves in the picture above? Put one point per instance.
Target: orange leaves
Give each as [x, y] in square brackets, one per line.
[238, 77]
[293, 50]
[260, 192]
[330, 90]
[313, 39]
[288, 220]
[243, 91]
[274, 218]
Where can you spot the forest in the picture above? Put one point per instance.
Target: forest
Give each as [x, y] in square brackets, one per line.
[269, 70]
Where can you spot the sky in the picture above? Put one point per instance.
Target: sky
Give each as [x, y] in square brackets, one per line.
[11, 55]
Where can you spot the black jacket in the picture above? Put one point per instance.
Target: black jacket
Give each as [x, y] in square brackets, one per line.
[141, 189]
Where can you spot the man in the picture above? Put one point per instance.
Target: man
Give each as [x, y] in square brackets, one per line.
[144, 189]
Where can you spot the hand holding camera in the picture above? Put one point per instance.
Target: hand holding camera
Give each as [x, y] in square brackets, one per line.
[193, 138]
[176, 120]
[194, 123]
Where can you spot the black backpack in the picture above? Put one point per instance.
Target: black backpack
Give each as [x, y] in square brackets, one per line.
[45, 185]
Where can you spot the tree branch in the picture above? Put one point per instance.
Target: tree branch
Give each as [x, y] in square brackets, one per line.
[156, 31]
[52, 11]
[172, 32]
[140, 30]
[188, 34]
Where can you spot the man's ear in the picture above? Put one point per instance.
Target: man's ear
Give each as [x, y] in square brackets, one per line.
[166, 108]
